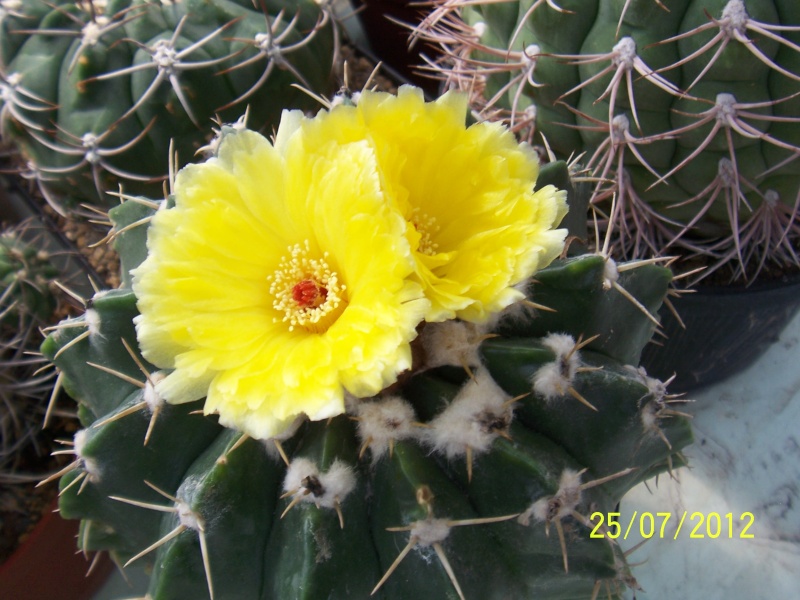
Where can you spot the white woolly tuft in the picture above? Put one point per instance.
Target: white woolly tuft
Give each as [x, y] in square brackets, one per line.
[656, 387]
[88, 464]
[472, 419]
[452, 343]
[553, 379]
[338, 482]
[384, 421]
[79, 441]
[560, 344]
[549, 382]
[736, 13]
[298, 470]
[430, 531]
[569, 483]
[92, 322]
[189, 518]
[649, 417]
[568, 495]
[304, 480]
[151, 396]
[538, 510]
[558, 506]
[610, 273]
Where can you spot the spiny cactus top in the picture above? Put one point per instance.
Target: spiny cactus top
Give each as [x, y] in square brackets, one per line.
[356, 298]
[684, 112]
[93, 92]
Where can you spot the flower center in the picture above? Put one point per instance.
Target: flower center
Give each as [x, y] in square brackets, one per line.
[426, 226]
[309, 294]
[306, 290]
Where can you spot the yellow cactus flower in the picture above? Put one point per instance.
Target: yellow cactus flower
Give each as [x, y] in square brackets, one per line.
[475, 225]
[276, 283]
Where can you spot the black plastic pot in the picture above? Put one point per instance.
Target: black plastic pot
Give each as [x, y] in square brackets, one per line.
[388, 39]
[727, 330]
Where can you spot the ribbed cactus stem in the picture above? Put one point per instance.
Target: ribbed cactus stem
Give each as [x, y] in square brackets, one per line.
[698, 81]
[93, 93]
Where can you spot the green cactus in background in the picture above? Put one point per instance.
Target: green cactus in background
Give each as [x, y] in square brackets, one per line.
[93, 93]
[27, 303]
[26, 278]
[474, 476]
[684, 113]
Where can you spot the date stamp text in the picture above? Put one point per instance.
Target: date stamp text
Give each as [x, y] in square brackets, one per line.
[696, 525]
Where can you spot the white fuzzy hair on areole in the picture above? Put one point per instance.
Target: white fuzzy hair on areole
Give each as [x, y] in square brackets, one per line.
[650, 417]
[458, 426]
[92, 317]
[88, 464]
[337, 482]
[151, 396]
[568, 497]
[384, 421]
[430, 531]
[452, 343]
[553, 379]
[298, 470]
[656, 388]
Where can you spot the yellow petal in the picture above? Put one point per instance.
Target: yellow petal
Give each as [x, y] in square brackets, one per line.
[213, 292]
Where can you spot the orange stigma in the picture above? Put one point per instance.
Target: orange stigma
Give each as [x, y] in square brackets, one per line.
[308, 294]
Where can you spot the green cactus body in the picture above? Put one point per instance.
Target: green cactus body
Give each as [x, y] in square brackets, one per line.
[686, 112]
[94, 94]
[26, 274]
[348, 515]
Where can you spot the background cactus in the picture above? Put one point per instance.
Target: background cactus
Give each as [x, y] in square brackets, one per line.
[445, 486]
[684, 113]
[93, 92]
[27, 302]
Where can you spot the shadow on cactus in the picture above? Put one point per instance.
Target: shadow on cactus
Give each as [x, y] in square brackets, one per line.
[350, 363]
[94, 92]
[683, 113]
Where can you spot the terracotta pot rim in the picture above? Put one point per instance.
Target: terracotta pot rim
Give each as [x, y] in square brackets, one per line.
[48, 565]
